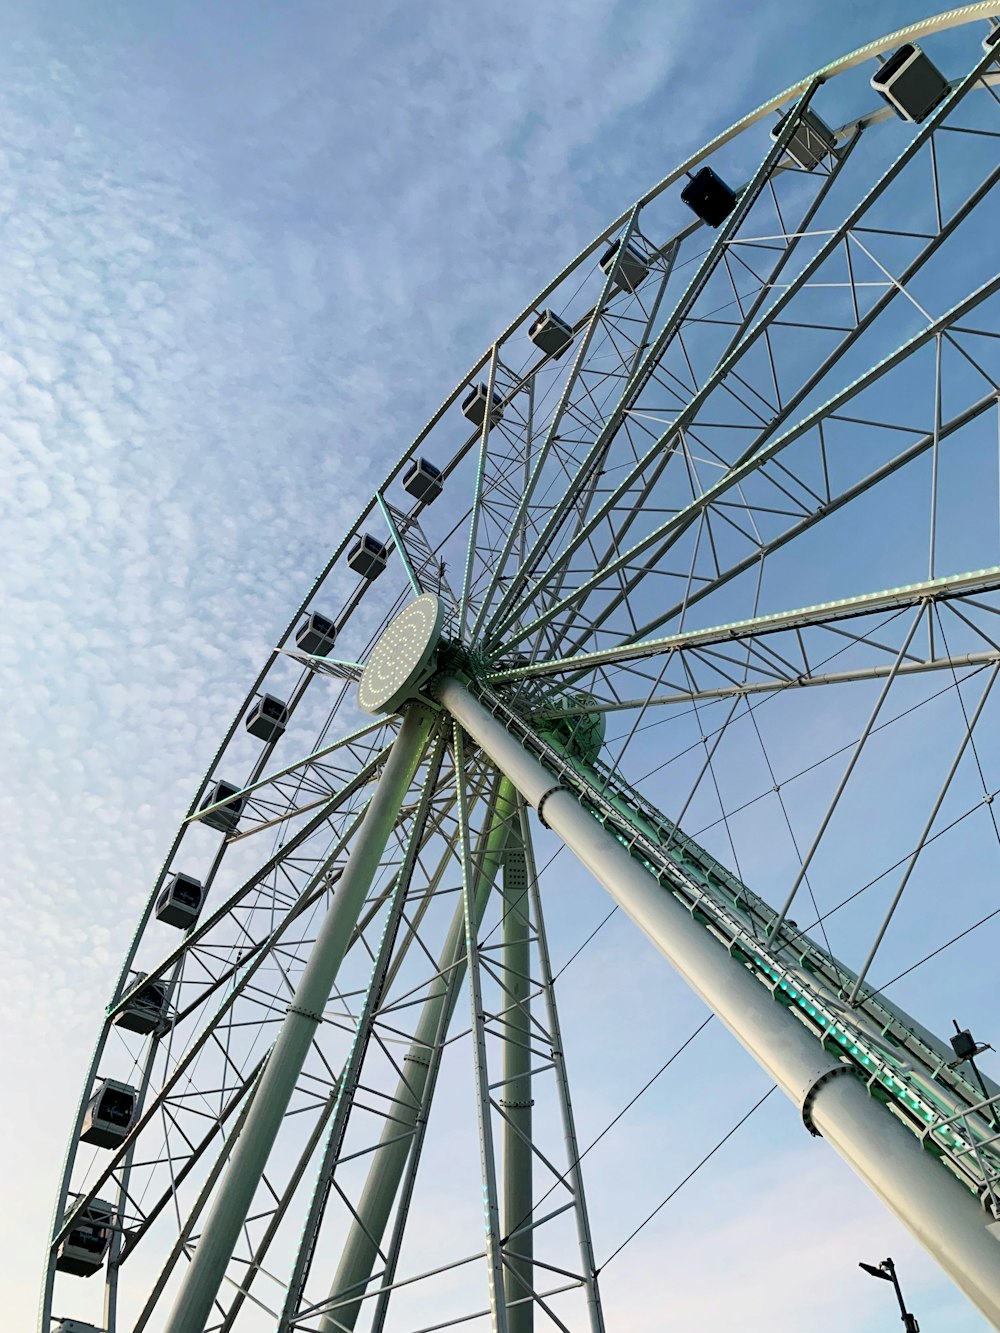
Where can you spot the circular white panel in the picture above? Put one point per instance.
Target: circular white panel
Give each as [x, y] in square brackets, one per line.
[401, 656]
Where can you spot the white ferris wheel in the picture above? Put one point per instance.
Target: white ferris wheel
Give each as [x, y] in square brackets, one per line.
[694, 577]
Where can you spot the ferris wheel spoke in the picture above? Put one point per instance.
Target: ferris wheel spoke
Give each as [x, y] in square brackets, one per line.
[489, 416]
[711, 584]
[650, 551]
[583, 490]
[534, 469]
[274, 799]
[707, 397]
[830, 644]
[827, 613]
[608, 778]
[842, 785]
[335, 784]
[294, 853]
[704, 503]
[538, 456]
[578, 411]
[393, 521]
[972, 662]
[646, 368]
[640, 502]
[424, 570]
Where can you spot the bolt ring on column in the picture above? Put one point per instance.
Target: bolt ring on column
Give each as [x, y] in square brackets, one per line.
[811, 1093]
[540, 806]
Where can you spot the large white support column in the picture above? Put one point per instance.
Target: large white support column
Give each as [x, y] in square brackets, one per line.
[926, 1198]
[193, 1305]
[360, 1252]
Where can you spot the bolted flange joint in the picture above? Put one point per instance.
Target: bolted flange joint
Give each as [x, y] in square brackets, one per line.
[809, 1099]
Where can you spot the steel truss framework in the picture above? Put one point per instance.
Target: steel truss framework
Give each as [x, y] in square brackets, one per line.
[765, 474]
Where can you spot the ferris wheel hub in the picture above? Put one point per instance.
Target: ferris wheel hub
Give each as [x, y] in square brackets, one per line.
[402, 658]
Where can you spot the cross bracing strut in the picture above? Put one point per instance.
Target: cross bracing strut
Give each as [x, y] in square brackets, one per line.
[401, 1140]
[921, 1141]
[367, 1269]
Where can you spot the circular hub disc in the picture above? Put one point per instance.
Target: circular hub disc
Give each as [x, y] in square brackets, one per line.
[399, 661]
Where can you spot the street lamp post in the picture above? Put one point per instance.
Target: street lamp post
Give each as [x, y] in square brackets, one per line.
[886, 1270]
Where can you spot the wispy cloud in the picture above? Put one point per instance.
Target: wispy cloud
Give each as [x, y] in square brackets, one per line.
[245, 253]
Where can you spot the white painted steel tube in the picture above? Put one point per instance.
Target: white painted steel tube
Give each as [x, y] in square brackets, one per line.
[926, 1198]
[361, 1247]
[924, 1195]
[193, 1306]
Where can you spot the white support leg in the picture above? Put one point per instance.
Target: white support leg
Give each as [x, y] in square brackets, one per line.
[926, 1198]
[193, 1305]
[357, 1260]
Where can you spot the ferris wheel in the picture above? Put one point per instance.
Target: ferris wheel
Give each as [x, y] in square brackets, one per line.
[695, 577]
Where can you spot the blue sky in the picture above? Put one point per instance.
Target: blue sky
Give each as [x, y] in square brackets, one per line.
[246, 251]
